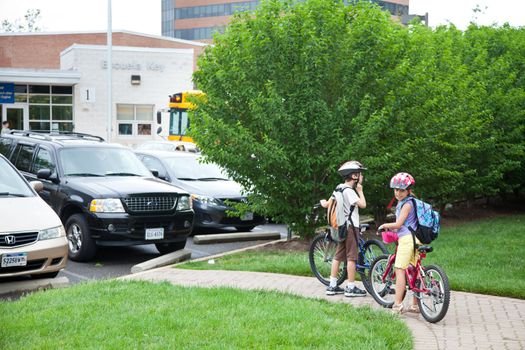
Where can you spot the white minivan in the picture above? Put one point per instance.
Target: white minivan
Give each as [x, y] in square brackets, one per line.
[32, 238]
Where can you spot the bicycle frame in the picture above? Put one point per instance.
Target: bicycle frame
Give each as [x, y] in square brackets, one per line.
[411, 280]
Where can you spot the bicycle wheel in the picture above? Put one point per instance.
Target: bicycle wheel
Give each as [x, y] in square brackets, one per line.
[383, 292]
[371, 250]
[434, 304]
[321, 255]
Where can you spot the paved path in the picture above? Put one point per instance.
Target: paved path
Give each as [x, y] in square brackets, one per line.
[473, 321]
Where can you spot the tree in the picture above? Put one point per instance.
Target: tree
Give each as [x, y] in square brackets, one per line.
[275, 132]
[29, 24]
[297, 88]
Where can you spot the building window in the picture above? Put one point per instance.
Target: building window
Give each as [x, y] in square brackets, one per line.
[198, 33]
[50, 107]
[134, 120]
[227, 9]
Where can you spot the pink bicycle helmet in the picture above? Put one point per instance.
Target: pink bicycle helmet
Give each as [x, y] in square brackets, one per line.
[402, 181]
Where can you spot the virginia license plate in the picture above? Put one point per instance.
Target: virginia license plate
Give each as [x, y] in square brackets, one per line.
[14, 259]
[155, 233]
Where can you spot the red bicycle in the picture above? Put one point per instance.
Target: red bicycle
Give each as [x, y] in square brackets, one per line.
[429, 284]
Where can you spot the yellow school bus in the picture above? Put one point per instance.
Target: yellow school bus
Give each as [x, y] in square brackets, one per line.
[179, 122]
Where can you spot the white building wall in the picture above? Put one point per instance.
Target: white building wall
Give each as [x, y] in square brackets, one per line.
[163, 72]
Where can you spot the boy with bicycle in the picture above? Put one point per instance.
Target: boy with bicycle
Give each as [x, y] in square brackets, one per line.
[353, 199]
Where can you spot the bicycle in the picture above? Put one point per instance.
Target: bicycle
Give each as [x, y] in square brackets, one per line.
[322, 252]
[429, 284]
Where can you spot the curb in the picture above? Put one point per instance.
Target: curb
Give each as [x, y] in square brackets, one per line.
[32, 285]
[163, 260]
[219, 255]
[235, 237]
[212, 256]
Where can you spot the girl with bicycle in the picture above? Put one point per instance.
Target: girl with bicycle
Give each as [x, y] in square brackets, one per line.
[406, 254]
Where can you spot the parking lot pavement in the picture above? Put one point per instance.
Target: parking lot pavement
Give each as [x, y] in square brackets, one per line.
[13, 288]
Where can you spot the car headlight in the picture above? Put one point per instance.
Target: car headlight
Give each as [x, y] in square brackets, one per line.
[184, 203]
[54, 232]
[204, 200]
[107, 205]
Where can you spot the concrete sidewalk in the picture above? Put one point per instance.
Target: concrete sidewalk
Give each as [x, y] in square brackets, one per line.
[473, 321]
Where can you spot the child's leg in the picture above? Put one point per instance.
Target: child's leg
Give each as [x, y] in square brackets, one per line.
[350, 267]
[335, 268]
[400, 286]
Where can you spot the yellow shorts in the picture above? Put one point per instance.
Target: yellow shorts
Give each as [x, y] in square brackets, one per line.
[405, 252]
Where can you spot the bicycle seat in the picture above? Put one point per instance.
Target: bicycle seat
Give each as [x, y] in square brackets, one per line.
[425, 249]
[364, 226]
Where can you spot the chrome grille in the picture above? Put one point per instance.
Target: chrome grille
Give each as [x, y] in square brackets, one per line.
[9, 240]
[150, 204]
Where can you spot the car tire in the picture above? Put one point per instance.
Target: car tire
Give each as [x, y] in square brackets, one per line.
[45, 275]
[244, 228]
[165, 248]
[81, 246]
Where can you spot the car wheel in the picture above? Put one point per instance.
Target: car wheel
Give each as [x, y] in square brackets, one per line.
[165, 248]
[244, 228]
[81, 246]
[45, 275]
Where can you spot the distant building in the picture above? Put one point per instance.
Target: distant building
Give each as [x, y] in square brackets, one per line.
[58, 81]
[199, 19]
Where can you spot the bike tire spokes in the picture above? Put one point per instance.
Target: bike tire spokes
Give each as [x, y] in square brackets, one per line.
[321, 255]
[434, 301]
[382, 286]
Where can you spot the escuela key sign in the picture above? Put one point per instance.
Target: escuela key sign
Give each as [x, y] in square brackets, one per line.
[7, 93]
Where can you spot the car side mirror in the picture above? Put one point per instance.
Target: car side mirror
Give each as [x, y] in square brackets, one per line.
[154, 172]
[46, 174]
[159, 130]
[37, 185]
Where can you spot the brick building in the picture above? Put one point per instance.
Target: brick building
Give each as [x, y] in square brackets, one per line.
[58, 81]
[199, 19]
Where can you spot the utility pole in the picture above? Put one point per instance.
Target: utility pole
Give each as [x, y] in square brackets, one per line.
[110, 71]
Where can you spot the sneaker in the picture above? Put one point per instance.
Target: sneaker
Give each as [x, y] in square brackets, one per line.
[355, 292]
[397, 309]
[334, 290]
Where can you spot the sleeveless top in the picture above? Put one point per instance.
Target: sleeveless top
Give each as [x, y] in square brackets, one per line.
[411, 220]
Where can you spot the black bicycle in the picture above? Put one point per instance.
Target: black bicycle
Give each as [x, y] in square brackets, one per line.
[322, 252]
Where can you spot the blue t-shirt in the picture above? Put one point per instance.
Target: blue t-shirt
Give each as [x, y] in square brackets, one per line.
[411, 220]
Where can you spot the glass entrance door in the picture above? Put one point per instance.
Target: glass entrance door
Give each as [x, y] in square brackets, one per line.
[16, 115]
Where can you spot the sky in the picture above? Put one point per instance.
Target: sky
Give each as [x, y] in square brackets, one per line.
[144, 16]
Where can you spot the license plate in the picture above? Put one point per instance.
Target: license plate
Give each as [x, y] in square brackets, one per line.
[247, 216]
[14, 259]
[154, 233]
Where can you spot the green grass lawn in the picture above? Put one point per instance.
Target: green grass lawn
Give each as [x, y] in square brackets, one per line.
[482, 257]
[144, 315]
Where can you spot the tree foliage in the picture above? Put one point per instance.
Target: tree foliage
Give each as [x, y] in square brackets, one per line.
[28, 24]
[297, 88]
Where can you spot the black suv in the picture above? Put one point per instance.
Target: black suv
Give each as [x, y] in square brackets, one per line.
[102, 192]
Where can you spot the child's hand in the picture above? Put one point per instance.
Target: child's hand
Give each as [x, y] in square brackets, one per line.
[359, 187]
[324, 203]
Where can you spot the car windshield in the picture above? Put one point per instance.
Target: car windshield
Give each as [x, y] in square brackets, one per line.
[191, 168]
[98, 161]
[11, 183]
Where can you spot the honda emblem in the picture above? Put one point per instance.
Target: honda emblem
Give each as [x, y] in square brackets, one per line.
[10, 240]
